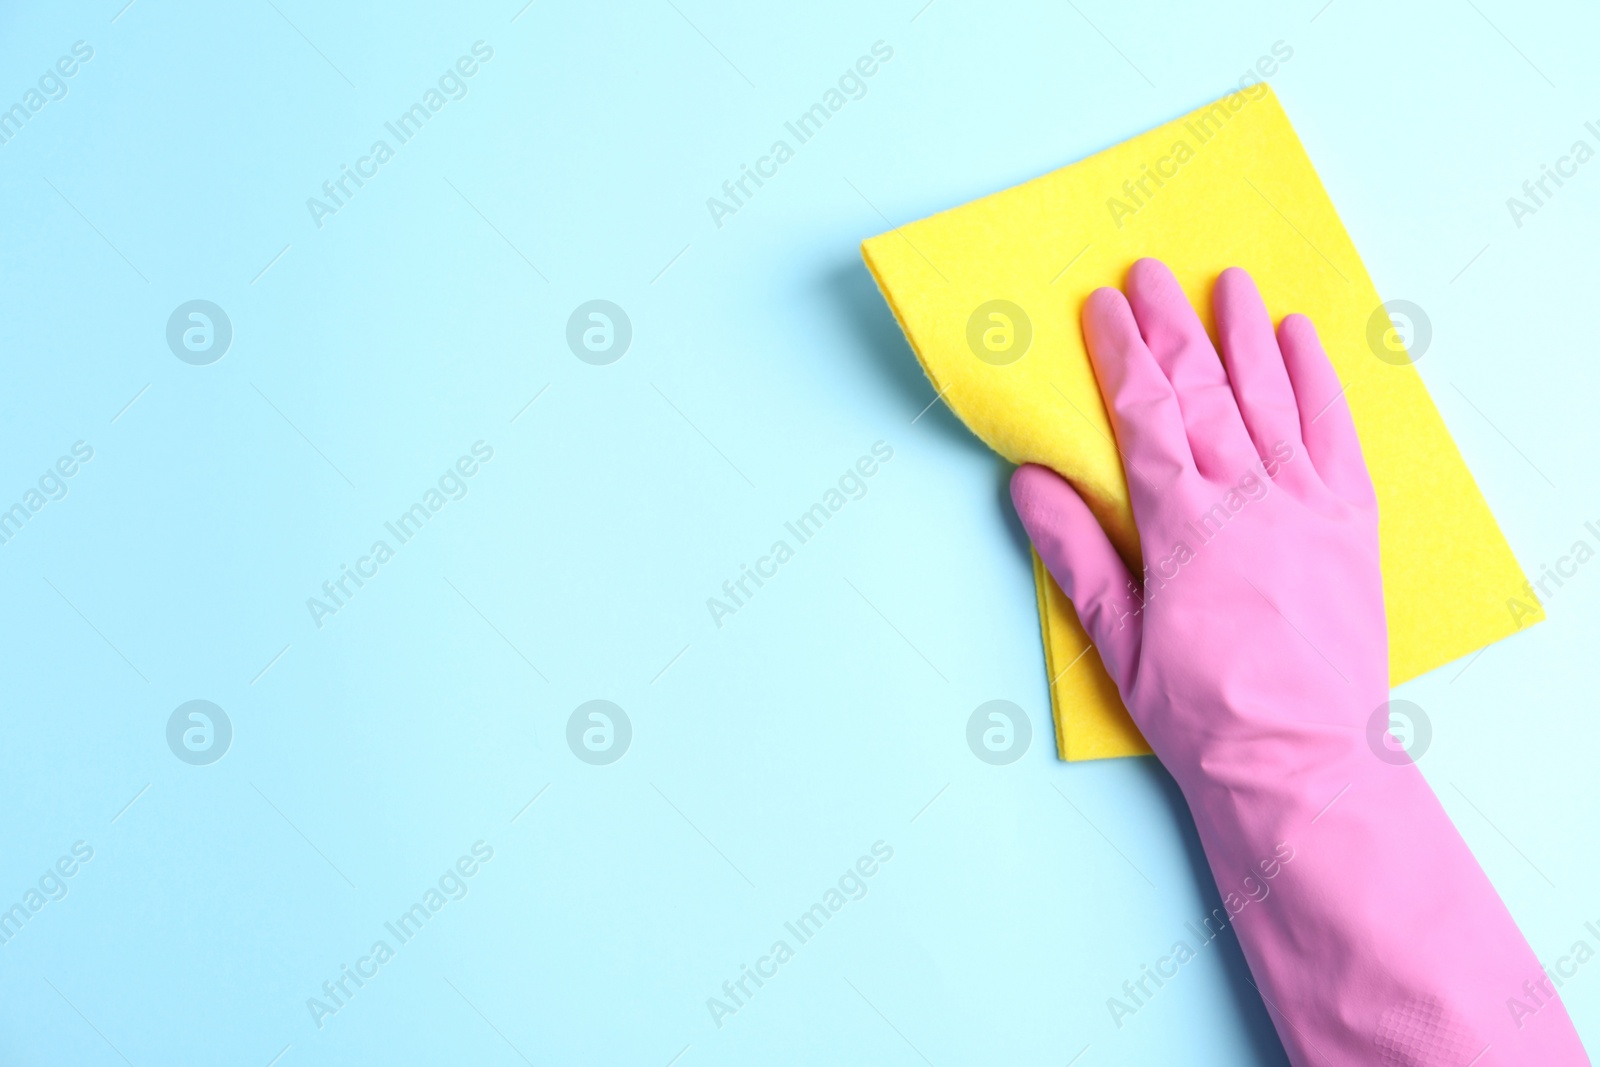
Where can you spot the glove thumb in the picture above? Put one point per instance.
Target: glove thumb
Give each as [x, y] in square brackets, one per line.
[1080, 557]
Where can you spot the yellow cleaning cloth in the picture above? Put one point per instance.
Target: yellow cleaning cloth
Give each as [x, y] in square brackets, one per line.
[989, 295]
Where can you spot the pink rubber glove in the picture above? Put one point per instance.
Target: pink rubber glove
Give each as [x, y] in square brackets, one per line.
[1253, 656]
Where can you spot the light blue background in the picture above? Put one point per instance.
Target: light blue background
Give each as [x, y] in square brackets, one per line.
[771, 753]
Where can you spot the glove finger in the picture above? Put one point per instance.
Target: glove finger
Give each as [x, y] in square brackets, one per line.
[1078, 555]
[1139, 399]
[1175, 337]
[1256, 368]
[1326, 427]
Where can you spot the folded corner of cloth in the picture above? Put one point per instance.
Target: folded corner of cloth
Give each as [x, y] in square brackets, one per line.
[989, 296]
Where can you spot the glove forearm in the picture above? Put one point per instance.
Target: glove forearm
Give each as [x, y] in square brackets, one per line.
[1371, 931]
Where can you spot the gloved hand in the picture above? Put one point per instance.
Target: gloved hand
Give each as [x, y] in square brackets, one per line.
[1253, 655]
